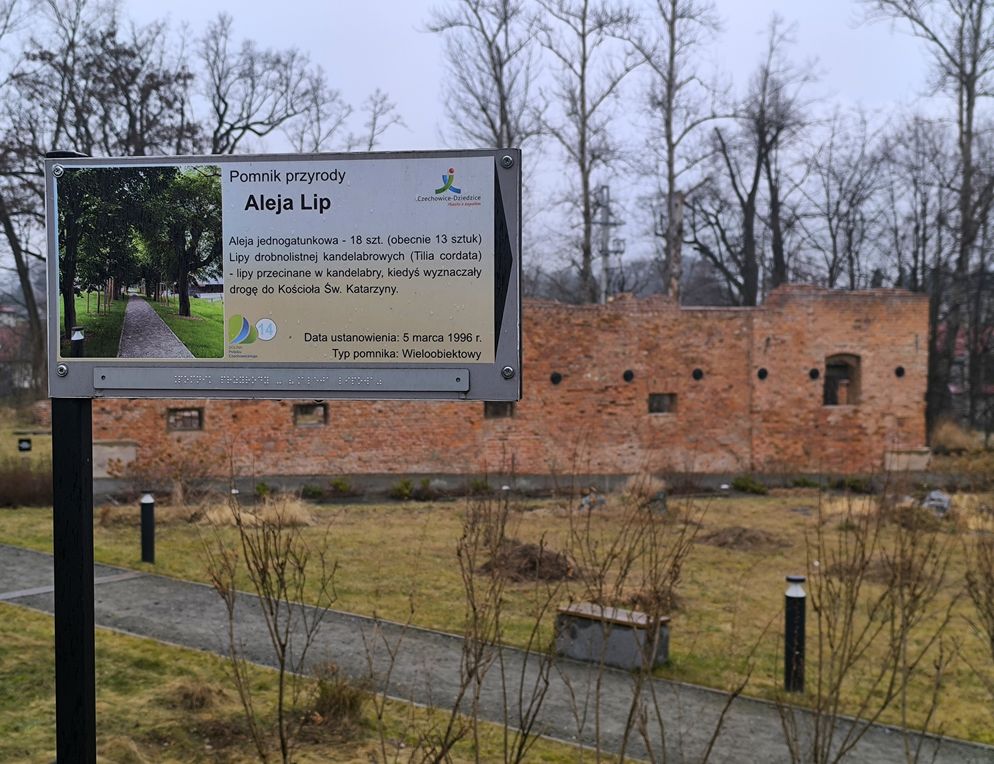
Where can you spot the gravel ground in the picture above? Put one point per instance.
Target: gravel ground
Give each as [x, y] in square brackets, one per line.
[145, 335]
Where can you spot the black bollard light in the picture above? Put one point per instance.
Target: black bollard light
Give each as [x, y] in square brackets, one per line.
[793, 641]
[76, 342]
[148, 528]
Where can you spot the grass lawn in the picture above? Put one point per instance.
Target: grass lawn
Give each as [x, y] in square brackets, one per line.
[102, 330]
[398, 561]
[202, 332]
[166, 704]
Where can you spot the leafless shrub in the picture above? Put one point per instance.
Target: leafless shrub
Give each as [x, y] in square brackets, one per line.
[282, 567]
[182, 469]
[873, 584]
[979, 557]
[485, 540]
[644, 487]
[25, 483]
[639, 556]
[338, 701]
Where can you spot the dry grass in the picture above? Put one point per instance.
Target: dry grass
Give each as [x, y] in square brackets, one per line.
[109, 515]
[948, 437]
[282, 510]
[643, 488]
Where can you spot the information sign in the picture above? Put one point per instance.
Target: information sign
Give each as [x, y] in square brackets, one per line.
[329, 276]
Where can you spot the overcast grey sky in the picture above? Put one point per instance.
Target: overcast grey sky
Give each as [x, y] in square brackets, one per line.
[380, 43]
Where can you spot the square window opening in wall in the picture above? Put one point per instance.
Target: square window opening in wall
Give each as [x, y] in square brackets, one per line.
[310, 414]
[498, 409]
[842, 380]
[184, 420]
[662, 403]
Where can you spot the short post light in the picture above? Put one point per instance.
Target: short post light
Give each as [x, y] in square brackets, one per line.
[76, 342]
[793, 642]
[148, 528]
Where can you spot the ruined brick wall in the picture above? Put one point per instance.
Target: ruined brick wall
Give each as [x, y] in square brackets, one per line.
[594, 421]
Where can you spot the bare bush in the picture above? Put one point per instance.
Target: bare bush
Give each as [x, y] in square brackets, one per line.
[284, 569]
[979, 556]
[338, 701]
[872, 588]
[639, 556]
[183, 470]
[25, 483]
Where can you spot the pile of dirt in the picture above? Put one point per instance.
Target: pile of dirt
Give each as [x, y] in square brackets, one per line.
[876, 570]
[521, 561]
[744, 539]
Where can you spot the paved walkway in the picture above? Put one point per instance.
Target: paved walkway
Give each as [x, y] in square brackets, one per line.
[428, 663]
[145, 335]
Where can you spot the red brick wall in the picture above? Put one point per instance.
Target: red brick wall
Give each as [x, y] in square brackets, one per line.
[594, 421]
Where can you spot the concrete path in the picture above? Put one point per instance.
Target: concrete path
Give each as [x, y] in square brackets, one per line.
[145, 335]
[427, 670]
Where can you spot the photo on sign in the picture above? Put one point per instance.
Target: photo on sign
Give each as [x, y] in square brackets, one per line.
[140, 252]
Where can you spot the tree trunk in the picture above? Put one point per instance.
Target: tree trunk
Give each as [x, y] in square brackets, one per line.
[37, 340]
[183, 287]
[779, 274]
[750, 266]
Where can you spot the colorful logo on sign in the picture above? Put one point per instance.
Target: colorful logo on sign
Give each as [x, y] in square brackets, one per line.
[447, 183]
[240, 331]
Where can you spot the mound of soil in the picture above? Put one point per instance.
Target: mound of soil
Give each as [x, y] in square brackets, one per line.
[520, 561]
[744, 539]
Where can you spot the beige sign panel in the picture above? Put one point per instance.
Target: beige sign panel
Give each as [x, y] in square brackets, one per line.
[359, 262]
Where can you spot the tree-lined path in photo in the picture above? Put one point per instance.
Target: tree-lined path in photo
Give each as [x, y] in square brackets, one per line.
[145, 335]
[427, 670]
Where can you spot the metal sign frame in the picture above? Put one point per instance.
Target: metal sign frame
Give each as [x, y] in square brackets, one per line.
[72, 377]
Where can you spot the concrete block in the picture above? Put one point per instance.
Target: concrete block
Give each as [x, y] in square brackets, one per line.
[612, 636]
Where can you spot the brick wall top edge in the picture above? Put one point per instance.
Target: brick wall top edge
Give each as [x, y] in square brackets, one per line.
[781, 296]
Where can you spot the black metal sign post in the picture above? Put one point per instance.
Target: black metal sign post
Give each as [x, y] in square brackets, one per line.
[72, 539]
[75, 671]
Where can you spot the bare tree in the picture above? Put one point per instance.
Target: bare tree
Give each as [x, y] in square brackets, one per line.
[325, 114]
[587, 41]
[678, 98]
[381, 115]
[845, 181]
[252, 92]
[725, 217]
[959, 36]
[920, 176]
[490, 45]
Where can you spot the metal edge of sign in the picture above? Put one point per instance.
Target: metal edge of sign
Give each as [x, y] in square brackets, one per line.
[487, 383]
